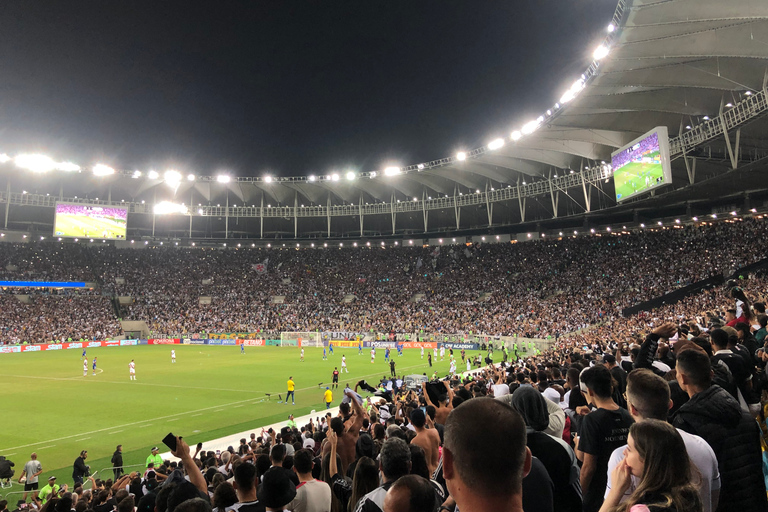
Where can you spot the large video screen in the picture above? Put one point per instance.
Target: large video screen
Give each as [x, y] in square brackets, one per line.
[642, 165]
[90, 221]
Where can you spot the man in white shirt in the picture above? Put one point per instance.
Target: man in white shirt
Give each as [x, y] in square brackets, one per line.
[648, 397]
[311, 495]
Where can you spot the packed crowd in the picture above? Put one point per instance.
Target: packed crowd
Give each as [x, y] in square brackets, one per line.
[540, 289]
[663, 422]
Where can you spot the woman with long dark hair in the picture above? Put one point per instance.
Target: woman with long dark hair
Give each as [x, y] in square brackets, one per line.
[656, 455]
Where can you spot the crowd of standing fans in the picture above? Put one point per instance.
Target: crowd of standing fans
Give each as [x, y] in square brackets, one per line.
[540, 289]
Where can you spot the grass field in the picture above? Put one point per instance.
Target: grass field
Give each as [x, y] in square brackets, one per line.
[211, 392]
[631, 179]
[81, 226]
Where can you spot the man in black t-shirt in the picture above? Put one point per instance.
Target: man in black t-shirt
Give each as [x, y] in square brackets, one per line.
[335, 383]
[601, 431]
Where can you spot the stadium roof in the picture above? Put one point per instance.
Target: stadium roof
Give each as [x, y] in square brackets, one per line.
[678, 64]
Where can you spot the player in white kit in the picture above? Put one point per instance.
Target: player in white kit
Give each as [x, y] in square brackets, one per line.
[469, 365]
[302, 355]
[85, 367]
[453, 367]
[373, 355]
[173, 356]
[132, 369]
[435, 351]
[422, 352]
[442, 353]
[344, 363]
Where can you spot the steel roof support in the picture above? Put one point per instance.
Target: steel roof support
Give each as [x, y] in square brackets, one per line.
[394, 213]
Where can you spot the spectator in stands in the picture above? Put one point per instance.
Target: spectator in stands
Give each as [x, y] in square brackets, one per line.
[427, 438]
[713, 414]
[648, 397]
[656, 455]
[311, 495]
[394, 462]
[410, 493]
[484, 471]
[601, 431]
[245, 486]
[276, 490]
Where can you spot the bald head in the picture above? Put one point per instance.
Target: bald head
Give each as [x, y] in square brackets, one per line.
[490, 461]
[410, 493]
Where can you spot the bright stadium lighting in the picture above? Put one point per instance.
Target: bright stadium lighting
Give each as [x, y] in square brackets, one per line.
[191, 177]
[200, 211]
[355, 244]
[571, 93]
[729, 104]
[461, 156]
[392, 171]
[222, 178]
[415, 199]
[373, 174]
[530, 126]
[102, 170]
[172, 178]
[420, 167]
[153, 175]
[600, 52]
[611, 27]
[516, 135]
[267, 179]
[136, 174]
[67, 167]
[334, 177]
[166, 207]
[748, 93]
[695, 219]
[4, 158]
[350, 176]
[496, 144]
[35, 163]
[311, 178]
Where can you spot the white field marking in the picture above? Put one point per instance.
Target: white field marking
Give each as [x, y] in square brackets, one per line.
[145, 426]
[46, 447]
[173, 419]
[198, 414]
[115, 432]
[132, 383]
[9, 454]
[83, 439]
[128, 424]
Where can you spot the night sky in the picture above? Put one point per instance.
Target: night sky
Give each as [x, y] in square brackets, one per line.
[286, 88]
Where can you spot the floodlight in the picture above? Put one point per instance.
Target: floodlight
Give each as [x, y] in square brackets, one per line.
[4, 158]
[611, 27]
[35, 163]
[153, 175]
[267, 179]
[415, 199]
[441, 240]
[172, 178]
[350, 175]
[677, 221]
[516, 135]
[748, 93]
[334, 177]
[695, 219]
[311, 178]
[461, 156]
[191, 177]
[687, 127]
[729, 104]
[382, 243]
[136, 174]
[530, 126]
[420, 166]
[600, 52]
[166, 207]
[67, 167]
[571, 93]
[373, 174]
[222, 178]
[392, 171]
[102, 170]
[355, 244]
[706, 118]
[495, 144]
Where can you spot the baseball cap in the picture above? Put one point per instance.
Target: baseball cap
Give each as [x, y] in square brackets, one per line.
[326, 387]
[154, 449]
[51, 478]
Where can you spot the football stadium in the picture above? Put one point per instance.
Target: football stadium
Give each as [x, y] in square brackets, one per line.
[295, 258]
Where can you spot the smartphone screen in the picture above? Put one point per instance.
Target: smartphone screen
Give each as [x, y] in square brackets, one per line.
[170, 441]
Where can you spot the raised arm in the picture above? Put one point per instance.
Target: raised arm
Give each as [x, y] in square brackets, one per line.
[426, 395]
[332, 468]
[195, 476]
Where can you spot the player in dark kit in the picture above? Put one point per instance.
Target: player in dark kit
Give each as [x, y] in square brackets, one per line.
[429, 359]
[335, 378]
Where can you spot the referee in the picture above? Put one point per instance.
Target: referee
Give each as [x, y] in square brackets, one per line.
[291, 388]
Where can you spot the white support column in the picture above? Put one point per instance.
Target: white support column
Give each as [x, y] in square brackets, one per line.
[488, 206]
[554, 196]
[261, 217]
[456, 209]
[361, 215]
[587, 196]
[393, 213]
[154, 202]
[521, 202]
[226, 218]
[295, 215]
[424, 209]
[328, 210]
[7, 201]
[191, 204]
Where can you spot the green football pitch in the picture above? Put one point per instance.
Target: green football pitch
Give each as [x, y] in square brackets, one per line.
[631, 178]
[80, 226]
[211, 392]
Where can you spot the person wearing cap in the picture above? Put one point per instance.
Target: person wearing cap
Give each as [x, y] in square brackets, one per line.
[291, 422]
[155, 458]
[49, 490]
[276, 489]
[328, 397]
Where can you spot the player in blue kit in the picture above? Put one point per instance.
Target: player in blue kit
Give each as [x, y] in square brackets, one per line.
[330, 347]
[94, 365]
[386, 355]
[325, 354]
[242, 348]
